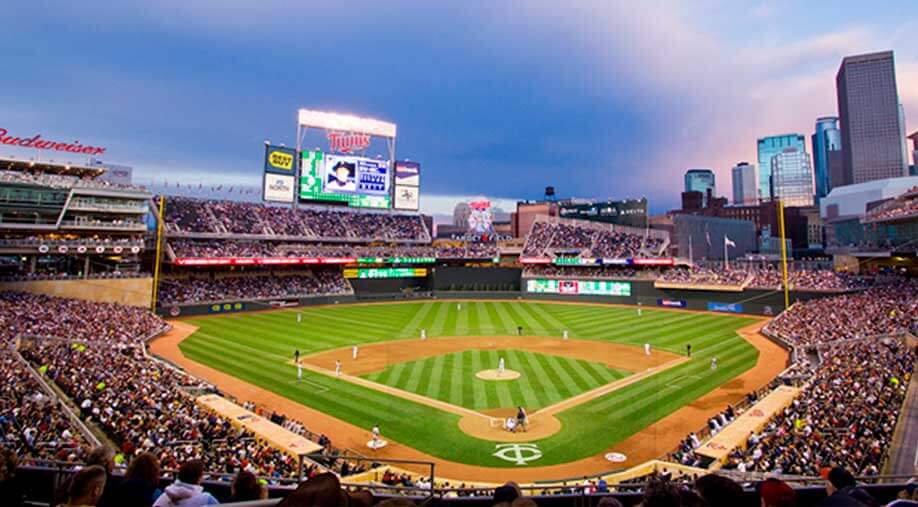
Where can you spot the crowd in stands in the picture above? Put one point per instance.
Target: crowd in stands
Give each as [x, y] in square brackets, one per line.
[188, 248]
[705, 276]
[53, 275]
[185, 215]
[587, 240]
[61, 181]
[847, 411]
[765, 276]
[93, 352]
[589, 272]
[258, 286]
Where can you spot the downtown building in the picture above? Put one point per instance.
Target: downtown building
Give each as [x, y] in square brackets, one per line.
[784, 170]
[745, 186]
[827, 155]
[701, 180]
[872, 121]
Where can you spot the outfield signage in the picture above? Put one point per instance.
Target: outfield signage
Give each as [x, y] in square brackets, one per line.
[672, 303]
[714, 306]
[226, 307]
[38, 143]
[577, 261]
[280, 160]
[385, 273]
[396, 260]
[264, 261]
[595, 261]
[578, 287]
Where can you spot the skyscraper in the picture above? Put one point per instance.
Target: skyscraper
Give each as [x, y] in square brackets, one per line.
[868, 108]
[745, 186]
[826, 138]
[914, 138]
[791, 177]
[768, 147]
[701, 180]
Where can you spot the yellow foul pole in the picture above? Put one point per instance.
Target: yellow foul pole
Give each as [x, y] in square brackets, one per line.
[783, 253]
[159, 251]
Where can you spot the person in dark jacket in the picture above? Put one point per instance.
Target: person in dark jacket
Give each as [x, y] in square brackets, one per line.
[101, 456]
[10, 487]
[140, 486]
[843, 491]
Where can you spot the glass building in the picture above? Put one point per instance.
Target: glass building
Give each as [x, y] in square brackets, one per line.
[745, 188]
[870, 117]
[791, 177]
[768, 147]
[826, 138]
[700, 180]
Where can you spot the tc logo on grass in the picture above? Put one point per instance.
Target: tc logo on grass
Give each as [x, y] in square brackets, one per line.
[517, 453]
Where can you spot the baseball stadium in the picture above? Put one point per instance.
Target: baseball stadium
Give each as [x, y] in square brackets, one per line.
[312, 334]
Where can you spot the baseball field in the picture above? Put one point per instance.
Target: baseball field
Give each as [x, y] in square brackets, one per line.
[586, 394]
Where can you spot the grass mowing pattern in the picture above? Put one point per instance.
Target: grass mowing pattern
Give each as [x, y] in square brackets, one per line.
[256, 348]
[546, 379]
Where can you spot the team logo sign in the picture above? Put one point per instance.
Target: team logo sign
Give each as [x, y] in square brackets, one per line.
[347, 142]
[521, 454]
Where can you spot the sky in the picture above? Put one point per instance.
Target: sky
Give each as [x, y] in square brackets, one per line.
[600, 99]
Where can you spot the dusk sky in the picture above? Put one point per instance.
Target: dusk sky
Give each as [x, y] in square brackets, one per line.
[600, 99]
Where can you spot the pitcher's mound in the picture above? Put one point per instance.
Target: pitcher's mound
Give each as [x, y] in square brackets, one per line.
[498, 375]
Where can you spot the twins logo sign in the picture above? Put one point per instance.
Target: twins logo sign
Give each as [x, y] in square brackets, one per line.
[520, 454]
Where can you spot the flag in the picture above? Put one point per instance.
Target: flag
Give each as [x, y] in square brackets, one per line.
[707, 235]
[728, 242]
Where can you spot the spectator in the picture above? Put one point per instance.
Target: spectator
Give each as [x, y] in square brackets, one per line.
[719, 491]
[660, 493]
[776, 493]
[140, 486]
[246, 487]
[101, 456]
[10, 488]
[842, 490]
[324, 490]
[609, 501]
[187, 491]
[506, 494]
[86, 487]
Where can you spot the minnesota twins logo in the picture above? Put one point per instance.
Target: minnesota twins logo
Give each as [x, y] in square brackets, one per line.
[517, 453]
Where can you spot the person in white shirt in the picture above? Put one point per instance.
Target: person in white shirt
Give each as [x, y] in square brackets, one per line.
[354, 352]
[337, 368]
[500, 366]
[646, 349]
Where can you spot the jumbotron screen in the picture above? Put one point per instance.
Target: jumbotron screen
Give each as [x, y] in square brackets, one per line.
[588, 287]
[359, 181]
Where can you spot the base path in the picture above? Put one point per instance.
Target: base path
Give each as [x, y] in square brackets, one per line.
[652, 442]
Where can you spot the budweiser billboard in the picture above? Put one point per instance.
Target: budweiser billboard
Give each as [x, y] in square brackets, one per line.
[36, 141]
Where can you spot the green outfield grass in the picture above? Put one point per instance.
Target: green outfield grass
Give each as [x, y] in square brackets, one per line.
[545, 379]
[258, 347]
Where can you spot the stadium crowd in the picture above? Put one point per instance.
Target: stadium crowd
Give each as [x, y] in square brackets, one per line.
[903, 206]
[255, 286]
[61, 181]
[184, 215]
[765, 276]
[197, 248]
[846, 414]
[94, 353]
[587, 240]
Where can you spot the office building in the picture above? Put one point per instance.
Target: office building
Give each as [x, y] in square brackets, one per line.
[791, 177]
[745, 189]
[870, 118]
[914, 138]
[826, 138]
[768, 148]
[700, 180]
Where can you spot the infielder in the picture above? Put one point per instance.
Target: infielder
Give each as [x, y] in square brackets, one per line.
[565, 334]
[423, 334]
[338, 368]
[646, 349]
[354, 352]
[500, 366]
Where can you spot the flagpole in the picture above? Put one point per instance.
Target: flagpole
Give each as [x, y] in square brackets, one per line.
[691, 258]
[726, 261]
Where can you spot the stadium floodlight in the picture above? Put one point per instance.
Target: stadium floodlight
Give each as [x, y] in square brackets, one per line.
[346, 123]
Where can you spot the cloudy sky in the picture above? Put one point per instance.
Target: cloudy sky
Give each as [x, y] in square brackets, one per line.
[599, 98]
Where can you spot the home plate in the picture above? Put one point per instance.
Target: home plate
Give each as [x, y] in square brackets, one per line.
[376, 444]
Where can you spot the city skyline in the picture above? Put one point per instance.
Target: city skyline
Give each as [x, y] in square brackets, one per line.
[586, 89]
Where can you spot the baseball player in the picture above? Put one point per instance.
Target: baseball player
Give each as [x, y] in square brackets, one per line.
[338, 368]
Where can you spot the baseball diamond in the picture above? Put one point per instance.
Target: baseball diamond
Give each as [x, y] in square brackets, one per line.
[257, 348]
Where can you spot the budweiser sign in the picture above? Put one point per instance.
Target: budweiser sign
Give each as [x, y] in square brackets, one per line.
[37, 142]
[347, 142]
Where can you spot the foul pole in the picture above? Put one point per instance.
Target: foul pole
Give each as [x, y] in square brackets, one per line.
[159, 251]
[783, 253]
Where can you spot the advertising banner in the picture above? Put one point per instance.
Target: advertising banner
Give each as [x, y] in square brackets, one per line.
[581, 287]
[385, 272]
[407, 198]
[280, 160]
[714, 306]
[672, 303]
[226, 307]
[278, 188]
[407, 173]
